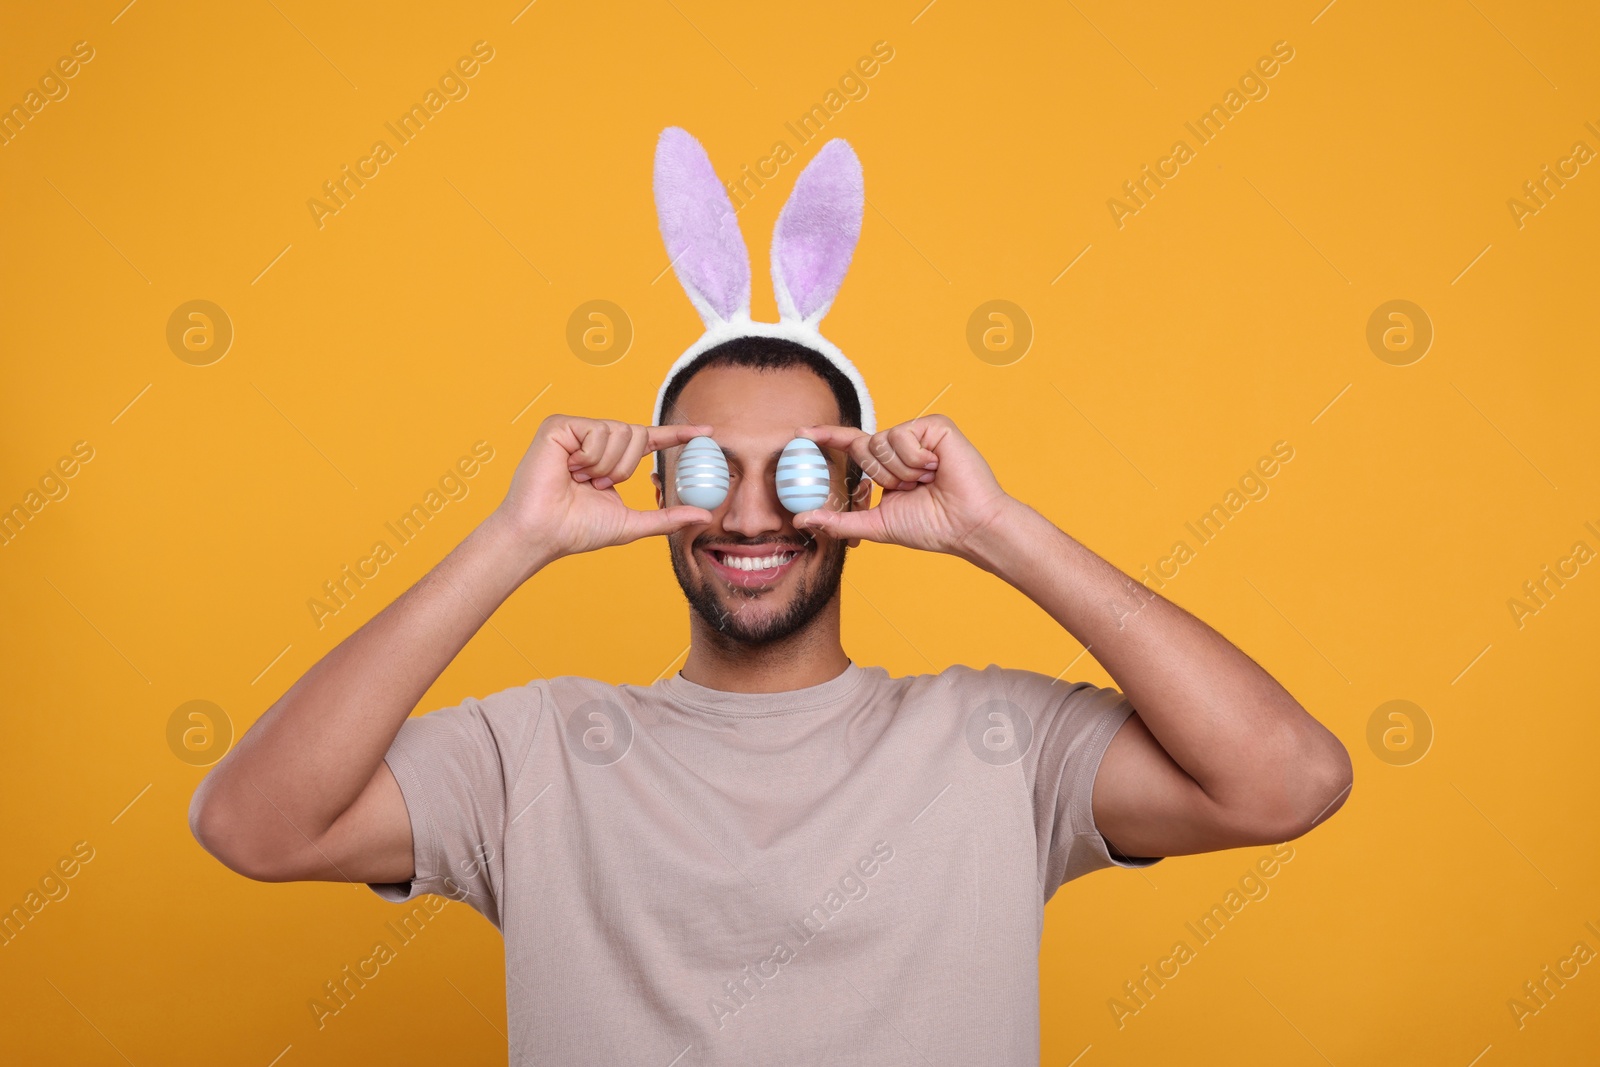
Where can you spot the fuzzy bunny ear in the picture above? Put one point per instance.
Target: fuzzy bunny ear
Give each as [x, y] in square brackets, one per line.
[817, 233]
[698, 225]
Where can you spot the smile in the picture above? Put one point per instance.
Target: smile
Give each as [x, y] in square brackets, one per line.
[752, 570]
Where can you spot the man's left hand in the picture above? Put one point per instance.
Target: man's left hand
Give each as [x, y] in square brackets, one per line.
[938, 492]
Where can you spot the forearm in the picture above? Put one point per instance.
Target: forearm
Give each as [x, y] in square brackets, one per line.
[1224, 720]
[304, 762]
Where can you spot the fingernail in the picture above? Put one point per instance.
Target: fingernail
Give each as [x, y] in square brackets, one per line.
[602, 483]
[930, 465]
[926, 477]
[581, 477]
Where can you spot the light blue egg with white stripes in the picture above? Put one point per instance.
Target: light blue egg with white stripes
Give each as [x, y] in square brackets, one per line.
[803, 478]
[702, 474]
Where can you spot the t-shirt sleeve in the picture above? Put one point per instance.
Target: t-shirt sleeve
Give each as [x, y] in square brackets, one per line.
[455, 768]
[1074, 723]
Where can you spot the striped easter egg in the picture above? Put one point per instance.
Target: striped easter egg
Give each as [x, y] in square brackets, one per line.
[702, 474]
[803, 480]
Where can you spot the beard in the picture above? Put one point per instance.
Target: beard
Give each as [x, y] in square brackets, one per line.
[722, 606]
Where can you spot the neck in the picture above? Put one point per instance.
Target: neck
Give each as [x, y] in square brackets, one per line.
[807, 657]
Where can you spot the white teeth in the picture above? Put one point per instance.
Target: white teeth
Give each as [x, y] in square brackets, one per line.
[756, 563]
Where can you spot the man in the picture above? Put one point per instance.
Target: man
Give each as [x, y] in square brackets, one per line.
[774, 855]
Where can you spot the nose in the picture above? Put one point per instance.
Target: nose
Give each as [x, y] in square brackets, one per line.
[752, 507]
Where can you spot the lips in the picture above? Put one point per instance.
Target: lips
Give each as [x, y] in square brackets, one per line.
[754, 578]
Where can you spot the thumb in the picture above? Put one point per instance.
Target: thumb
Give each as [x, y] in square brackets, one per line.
[664, 521]
[842, 525]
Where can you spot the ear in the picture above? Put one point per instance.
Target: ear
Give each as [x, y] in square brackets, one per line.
[817, 233]
[698, 225]
[655, 480]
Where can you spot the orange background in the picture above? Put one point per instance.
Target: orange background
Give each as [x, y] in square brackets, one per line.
[431, 312]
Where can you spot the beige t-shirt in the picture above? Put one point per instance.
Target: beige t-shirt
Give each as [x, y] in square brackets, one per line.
[850, 873]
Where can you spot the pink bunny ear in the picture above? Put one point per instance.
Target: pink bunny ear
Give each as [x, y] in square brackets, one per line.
[817, 233]
[698, 225]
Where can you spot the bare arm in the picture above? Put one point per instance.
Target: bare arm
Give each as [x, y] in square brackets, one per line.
[1218, 754]
[306, 794]
[269, 809]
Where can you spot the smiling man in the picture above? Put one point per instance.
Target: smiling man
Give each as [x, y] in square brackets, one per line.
[775, 854]
[772, 853]
[757, 386]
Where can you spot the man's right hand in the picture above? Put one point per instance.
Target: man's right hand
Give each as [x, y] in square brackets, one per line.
[306, 794]
[563, 498]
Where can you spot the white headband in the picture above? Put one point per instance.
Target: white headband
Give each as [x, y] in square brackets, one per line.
[812, 245]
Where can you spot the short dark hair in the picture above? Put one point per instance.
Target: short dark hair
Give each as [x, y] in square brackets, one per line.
[768, 353]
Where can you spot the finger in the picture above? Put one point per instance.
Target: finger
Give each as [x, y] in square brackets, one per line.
[843, 525]
[835, 437]
[914, 449]
[633, 450]
[607, 469]
[870, 454]
[895, 448]
[664, 521]
[591, 437]
[659, 437]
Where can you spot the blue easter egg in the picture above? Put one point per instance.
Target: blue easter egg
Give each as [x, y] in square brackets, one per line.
[803, 478]
[702, 474]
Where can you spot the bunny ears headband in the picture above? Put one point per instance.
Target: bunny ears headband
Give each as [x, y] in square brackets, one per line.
[811, 249]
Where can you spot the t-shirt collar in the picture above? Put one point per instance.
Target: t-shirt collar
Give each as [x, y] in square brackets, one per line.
[722, 702]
